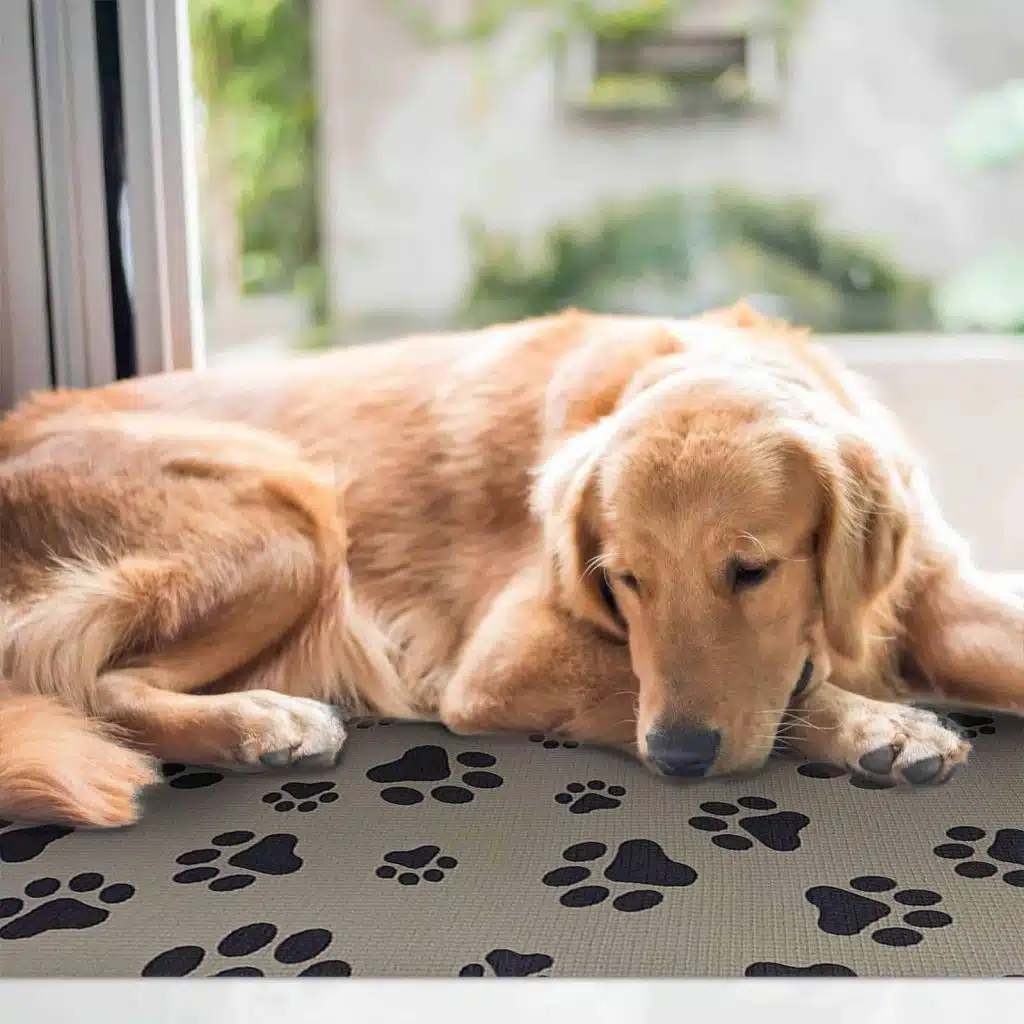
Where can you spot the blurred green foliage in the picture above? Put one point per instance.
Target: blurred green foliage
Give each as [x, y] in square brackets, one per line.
[988, 295]
[622, 19]
[253, 66]
[678, 255]
[484, 19]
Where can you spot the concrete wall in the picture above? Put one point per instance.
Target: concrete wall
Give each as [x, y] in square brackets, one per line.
[415, 140]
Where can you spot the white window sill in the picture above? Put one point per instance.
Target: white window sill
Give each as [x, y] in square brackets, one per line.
[961, 400]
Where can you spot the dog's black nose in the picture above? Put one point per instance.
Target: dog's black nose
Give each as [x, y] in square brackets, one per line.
[683, 751]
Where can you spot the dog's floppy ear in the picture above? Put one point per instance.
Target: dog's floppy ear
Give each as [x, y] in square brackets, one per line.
[863, 534]
[566, 501]
[587, 387]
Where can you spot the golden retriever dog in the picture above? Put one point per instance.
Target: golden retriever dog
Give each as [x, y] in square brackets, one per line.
[690, 539]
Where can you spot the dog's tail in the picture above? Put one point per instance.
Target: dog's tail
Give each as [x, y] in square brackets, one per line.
[58, 765]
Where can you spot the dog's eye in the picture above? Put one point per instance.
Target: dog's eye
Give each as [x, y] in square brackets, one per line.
[627, 579]
[744, 577]
[608, 596]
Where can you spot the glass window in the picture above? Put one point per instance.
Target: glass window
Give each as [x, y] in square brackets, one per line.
[371, 167]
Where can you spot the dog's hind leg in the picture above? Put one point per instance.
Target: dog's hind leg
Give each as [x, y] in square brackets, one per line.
[230, 616]
[283, 634]
[249, 730]
[239, 581]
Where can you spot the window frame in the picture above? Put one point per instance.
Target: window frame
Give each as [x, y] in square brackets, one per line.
[25, 360]
[160, 157]
[56, 315]
[763, 71]
[74, 204]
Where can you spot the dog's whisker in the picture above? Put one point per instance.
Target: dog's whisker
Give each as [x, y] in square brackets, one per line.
[813, 726]
[595, 563]
[622, 693]
[622, 721]
[756, 541]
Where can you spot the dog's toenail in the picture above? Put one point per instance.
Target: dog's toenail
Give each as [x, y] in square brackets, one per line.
[276, 759]
[879, 761]
[923, 771]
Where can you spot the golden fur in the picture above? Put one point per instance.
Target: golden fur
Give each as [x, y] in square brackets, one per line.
[540, 526]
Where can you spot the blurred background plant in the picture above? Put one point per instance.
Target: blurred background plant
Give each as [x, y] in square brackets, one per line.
[485, 19]
[253, 69]
[682, 254]
[610, 19]
[988, 295]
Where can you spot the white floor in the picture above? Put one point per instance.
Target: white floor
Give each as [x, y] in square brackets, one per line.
[461, 1002]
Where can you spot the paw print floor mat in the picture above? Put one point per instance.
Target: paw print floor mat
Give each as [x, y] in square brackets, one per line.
[430, 855]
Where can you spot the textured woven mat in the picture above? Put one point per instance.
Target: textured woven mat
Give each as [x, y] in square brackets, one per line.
[431, 855]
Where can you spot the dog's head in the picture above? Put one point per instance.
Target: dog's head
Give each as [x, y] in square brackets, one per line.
[733, 527]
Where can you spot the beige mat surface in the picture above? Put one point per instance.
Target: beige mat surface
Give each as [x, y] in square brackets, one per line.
[430, 855]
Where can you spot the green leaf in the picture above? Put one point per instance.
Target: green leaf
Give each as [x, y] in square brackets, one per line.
[253, 64]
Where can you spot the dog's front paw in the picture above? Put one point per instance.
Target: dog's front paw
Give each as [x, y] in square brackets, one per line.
[891, 743]
[900, 744]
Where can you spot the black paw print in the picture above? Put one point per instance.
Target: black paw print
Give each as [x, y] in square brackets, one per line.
[21, 843]
[63, 912]
[373, 723]
[779, 831]
[1007, 847]
[826, 770]
[848, 913]
[552, 742]
[271, 855]
[972, 726]
[767, 969]
[302, 796]
[183, 776]
[430, 764]
[506, 963]
[414, 861]
[297, 948]
[594, 796]
[637, 862]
